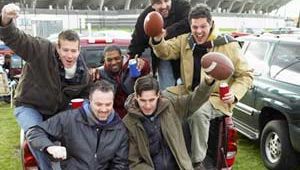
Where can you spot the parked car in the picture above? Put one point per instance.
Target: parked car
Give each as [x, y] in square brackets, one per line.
[246, 31]
[286, 30]
[16, 62]
[270, 111]
[222, 145]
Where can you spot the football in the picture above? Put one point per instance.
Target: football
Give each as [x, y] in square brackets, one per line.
[217, 65]
[153, 24]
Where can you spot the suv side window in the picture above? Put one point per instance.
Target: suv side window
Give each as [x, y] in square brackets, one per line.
[285, 64]
[255, 54]
[92, 55]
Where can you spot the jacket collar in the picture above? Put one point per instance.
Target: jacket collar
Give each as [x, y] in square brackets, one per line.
[87, 117]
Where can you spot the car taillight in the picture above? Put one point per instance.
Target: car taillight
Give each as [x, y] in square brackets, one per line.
[231, 142]
[28, 159]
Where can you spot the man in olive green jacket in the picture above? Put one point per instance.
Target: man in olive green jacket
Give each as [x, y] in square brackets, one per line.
[191, 47]
[154, 123]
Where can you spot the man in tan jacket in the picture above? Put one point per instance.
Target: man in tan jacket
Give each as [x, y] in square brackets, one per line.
[156, 139]
[191, 47]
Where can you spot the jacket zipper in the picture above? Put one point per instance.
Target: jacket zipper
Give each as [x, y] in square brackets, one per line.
[99, 130]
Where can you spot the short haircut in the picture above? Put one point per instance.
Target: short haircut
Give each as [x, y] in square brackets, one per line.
[112, 48]
[103, 86]
[154, 1]
[145, 83]
[200, 11]
[68, 35]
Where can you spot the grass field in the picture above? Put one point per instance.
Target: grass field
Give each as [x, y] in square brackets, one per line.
[9, 140]
[248, 151]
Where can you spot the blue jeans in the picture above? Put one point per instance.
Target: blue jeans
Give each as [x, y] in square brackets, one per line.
[165, 74]
[26, 118]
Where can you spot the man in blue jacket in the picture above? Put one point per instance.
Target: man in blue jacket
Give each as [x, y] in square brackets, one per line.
[92, 137]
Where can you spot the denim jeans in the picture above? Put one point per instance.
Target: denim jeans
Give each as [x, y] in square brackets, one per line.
[26, 118]
[165, 74]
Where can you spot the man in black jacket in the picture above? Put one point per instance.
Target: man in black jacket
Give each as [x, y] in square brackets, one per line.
[92, 137]
[52, 76]
[175, 15]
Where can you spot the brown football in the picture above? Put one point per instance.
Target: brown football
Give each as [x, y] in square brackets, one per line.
[153, 24]
[218, 65]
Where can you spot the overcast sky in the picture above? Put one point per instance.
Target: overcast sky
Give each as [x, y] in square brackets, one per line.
[291, 9]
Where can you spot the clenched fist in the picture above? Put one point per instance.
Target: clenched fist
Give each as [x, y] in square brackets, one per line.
[9, 11]
[58, 152]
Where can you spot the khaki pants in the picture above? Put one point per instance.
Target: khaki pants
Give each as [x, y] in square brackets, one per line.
[199, 123]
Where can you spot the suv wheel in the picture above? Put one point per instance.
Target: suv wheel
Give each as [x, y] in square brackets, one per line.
[276, 150]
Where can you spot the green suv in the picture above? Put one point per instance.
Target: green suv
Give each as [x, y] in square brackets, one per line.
[270, 111]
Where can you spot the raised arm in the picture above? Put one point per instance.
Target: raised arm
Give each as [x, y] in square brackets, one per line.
[26, 46]
[200, 94]
[189, 103]
[139, 41]
[166, 49]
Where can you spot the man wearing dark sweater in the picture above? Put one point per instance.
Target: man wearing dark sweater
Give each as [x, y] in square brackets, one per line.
[175, 15]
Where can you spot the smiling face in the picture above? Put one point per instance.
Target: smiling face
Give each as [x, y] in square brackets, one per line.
[102, 104]
[147, 101]
[163, 7]
[200, 29]
[68, 52]
[113, 61]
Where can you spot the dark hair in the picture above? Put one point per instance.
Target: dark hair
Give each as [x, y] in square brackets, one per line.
[200, 11]
[112, 48]
[103, 86]
[68, 35]
[145, 83]
[154, 1]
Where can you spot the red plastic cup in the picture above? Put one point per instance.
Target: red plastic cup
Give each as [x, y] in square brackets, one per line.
[76, 103]
[224, 89]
